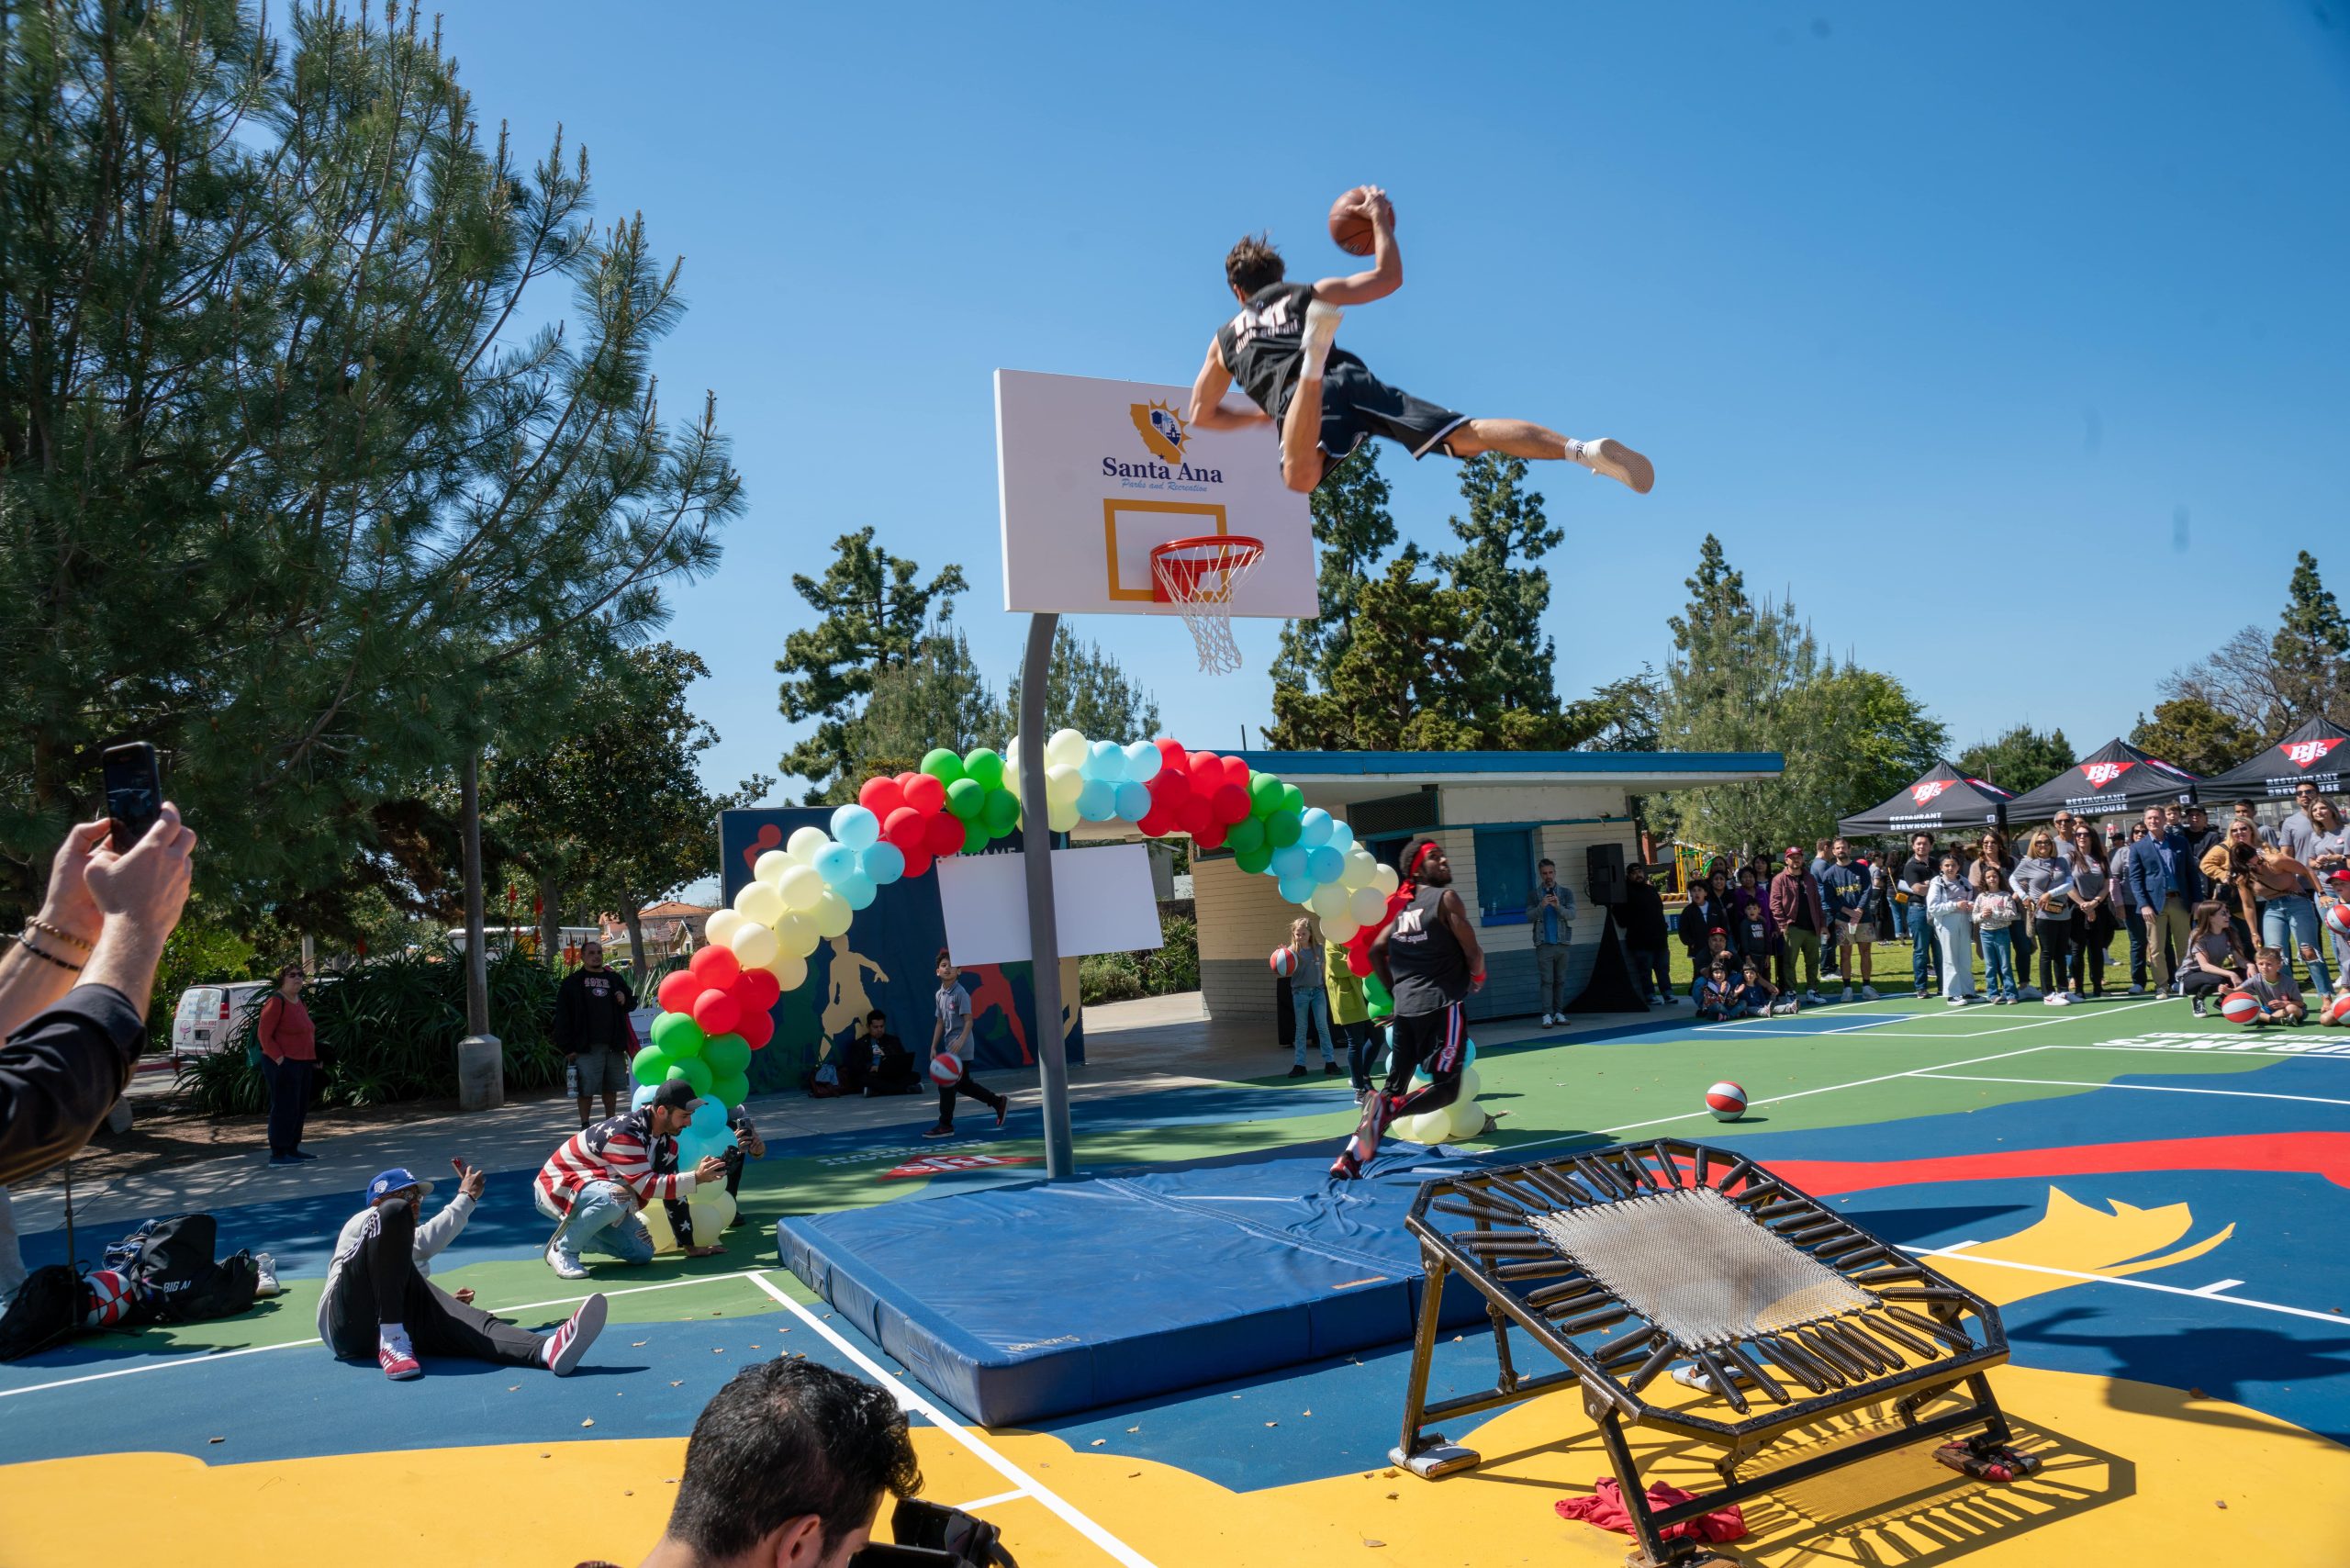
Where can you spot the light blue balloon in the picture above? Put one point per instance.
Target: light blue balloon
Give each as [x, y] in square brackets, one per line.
[1098, 801]
[1105, 759]
[1289, 861]
[1134, 799]
[1314, 826]
[836, 862]
[883, 863]
[1297, 890]
[1325, 864]
[1143, 762]
[856, 890]
[642, 1097]
[1470, 1055]
[855, 826]
[1342, 838]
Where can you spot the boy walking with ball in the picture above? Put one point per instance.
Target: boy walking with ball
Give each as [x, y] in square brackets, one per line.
[951, 1049]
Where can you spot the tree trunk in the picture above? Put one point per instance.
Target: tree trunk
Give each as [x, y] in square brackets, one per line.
[550, 922]
[477, 942]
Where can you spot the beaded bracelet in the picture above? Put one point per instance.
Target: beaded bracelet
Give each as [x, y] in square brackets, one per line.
[37, 923]
[25, 941]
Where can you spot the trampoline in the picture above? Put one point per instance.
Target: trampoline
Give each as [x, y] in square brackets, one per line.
[1622, 1262]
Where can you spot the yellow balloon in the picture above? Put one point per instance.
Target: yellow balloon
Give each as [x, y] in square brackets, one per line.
[1366, 904]
[806, 844]
[1063, 784]
[769, 867]
[1065, 750]
[831, 915]
[1062, 818]
[657, 1221]
[1339, 929]
[1467, 1118]
[759, 902]
[800, 888]
[1385, 879]
[721, 925]
[1470, 1084]
[798, 934]
[712, 1208]
[791, 971]
[753, 945]
[1328, 901]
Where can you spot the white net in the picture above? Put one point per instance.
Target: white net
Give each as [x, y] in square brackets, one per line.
[1197, 577]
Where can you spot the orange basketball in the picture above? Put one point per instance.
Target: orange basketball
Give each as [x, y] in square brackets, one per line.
[1351, 225]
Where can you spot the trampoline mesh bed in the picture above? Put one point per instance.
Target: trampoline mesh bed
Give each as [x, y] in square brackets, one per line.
[1624, 1262]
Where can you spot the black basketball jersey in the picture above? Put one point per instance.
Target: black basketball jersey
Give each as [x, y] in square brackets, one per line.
[1262, 346]
[1431, 972]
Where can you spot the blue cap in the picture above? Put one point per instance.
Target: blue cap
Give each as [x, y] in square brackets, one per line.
[394, 1181]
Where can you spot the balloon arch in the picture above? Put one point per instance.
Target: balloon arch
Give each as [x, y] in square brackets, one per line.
[715, 1012]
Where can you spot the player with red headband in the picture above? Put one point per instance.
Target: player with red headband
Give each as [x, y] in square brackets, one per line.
[1429, 960]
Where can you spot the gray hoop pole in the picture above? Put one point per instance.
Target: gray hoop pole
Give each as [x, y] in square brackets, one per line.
[1043, 934]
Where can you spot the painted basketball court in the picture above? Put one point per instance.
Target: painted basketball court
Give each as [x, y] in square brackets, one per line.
[2155, 1203]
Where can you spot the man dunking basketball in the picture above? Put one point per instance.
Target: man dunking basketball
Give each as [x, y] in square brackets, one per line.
[1326, 400]
[1429, 960]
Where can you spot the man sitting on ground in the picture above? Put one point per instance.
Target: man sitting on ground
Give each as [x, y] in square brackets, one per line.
[893, 1065]
[378, 1302]
[595, 1185]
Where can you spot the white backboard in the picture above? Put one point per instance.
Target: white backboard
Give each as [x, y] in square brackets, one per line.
[1093, 474]
[1103, 902]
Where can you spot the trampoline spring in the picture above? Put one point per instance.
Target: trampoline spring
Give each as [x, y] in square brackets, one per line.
[1829, 1352]
[1845, 1254]
[1534, 1269]
[1655, 1362]
[1670, 1164]
[1704, 1162]
[1533, 1203]
[1770, 1387]
[1797, 1235]
[1579, 1285]
[1604, 1180]
[1879, 1358]
[1921, 1293]
[1955, 1338]
[1901, 1270]
[1485, 1233]
[1921, 1348]
[1635, 1169]
[1470, 1208]
[1724, 1384]
[1605, 1317]
[1770, 1212]
[1485, 1245]
[1633, 1350]
[1804, 1369]
[1557, 1187]
[1582, 1301]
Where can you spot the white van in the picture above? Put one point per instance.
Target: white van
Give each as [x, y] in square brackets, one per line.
[208, 1016]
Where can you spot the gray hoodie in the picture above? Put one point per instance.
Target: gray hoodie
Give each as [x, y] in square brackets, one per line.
[432, 1235]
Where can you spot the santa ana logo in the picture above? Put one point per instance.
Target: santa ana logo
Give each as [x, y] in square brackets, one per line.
[2101, 774]
[1160, 431]
[1921, 793]
[2301, 753]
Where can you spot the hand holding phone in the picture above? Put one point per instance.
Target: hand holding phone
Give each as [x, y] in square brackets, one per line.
[134, 792]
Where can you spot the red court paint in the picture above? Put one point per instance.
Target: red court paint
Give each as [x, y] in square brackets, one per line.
[947, 1164]
[2322, 1154]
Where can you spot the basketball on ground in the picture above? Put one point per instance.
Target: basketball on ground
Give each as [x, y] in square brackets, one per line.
[1727, 1100]
[2239, 1007]
[105, 1298]
[946, 1067]
[2336, 1011]
[1350, 225]
[1284, 962]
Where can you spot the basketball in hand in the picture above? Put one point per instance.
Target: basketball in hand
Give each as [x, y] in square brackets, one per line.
[1350, 224]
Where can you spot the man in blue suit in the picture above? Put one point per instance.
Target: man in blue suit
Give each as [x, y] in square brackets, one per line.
[2163, 881]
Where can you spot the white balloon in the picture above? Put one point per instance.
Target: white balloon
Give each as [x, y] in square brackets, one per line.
[753, 945]
[791, 971]
[769, 867]
[1065, 750]
[1470, 1084]
[1143, 762]
[1330, 901]
[806, 843]
[721, 925]
[1339, 929]
[760, 902]
[832, 914]
[801, 886]
[1012, 765]
[1467, 1118]
[798, 934]
[1366, 905]
[1385, 879]
[1063, 784]
[1062, 817]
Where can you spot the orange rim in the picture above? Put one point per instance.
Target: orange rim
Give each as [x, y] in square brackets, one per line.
[1177, 567]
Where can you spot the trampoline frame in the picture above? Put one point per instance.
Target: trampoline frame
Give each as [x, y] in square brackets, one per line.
[1920, 1336]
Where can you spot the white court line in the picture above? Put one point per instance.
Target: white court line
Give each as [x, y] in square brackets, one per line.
[1746, 1026]
[208, 1358]
[2334, 1318]
[979, 1446]
[1938, 1033]
[1014, 1496]
[2147, 1088]
[2335, 1051]
[2216, 1286]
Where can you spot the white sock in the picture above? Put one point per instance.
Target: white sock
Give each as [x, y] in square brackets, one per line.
[1317, 341]
[1575, 451]
[393, 1336]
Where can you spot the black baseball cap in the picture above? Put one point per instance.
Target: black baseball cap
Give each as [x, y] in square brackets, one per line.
[676, 1094]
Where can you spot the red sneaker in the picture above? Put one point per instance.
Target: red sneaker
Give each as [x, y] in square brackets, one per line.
[397, 1365]
[570, 1340]
[1346, 1168]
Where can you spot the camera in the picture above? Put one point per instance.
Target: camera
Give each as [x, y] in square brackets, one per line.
[930, 1536]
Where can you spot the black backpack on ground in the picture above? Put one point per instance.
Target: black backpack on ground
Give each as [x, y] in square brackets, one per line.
[48, 1308]
[172, 1276]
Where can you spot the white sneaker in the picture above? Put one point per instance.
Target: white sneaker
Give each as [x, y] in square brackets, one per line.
[565, 1265]
[1813, 997]
[1829, 976]
[1549, 1019]
[1954, 1002]
[1868, 993]
[1848, 994]
[1606, 456]
[267, 1268]
[1321, 332]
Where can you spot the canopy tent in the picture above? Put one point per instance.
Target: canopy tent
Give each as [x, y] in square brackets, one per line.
[1941, 796]
[2115, 778]
[2309, 755]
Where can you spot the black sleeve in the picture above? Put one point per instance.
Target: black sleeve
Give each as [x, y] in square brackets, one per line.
[61, 1073]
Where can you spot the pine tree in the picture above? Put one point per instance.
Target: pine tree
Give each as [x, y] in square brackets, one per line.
[1501, 539]
[2308, 649]
[937, 698]
[1405, 680]
[2023, 758]
[1087, 691]
[874, 613]
[1352, 530]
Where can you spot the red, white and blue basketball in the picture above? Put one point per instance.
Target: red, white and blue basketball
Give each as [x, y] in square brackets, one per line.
[946, 1067]
[1284, 962]
[2239, 1007]
[105, 1298]
[2336, 1011]
[2338, 915]
[1727, 1100]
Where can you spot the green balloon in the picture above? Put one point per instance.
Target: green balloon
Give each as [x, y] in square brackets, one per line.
[1375, 993]
[1264, 794]
[942, 765]
[984, 767]
[1281, 831]
[1254, 860]
[975, 836]
[1293, 799]
[727, 1053]
[1243, 836]
[651, 1065]
[678, 1036]
[696, 1071]
[731, 1090]
[1001, 812]
[967, 797]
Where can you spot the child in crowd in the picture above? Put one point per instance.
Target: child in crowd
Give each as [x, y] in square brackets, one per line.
[1950, 904]
[2211, 962]
[2274, 987]
[1995, 913]
[1718, 955]
[1757, 996]
[1718, 1000]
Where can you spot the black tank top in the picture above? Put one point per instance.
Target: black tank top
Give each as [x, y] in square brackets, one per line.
[1262, 346]
[1431, 972]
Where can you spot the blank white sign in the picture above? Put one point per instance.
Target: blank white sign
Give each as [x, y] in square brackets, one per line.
[1103, 902]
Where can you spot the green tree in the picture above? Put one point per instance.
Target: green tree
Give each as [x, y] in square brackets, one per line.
[1502, 540]
[1402, 682]
[2196, 736]
[284, 487]
[1352, 530]
[1087, 691]
[2023, 758]
[2309, 649]
[873, 613]
[936, 698]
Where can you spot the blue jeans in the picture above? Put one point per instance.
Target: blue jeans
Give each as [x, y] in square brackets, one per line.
[1311, 1004]
[2287, 922]
[604, 1217]
[2000, 962]
[1925, 953]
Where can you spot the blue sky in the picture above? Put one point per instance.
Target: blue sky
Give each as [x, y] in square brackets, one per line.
[2009, 340]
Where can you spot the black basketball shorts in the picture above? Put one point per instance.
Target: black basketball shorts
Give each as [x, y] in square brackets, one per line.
[1357, 404]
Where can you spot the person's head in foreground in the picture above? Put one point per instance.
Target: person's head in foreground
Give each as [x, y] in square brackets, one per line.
[787, 1468]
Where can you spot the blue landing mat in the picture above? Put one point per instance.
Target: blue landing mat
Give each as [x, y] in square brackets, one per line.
[1013, 1304]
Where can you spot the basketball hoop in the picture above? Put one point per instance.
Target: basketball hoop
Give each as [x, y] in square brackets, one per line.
[1197, 576]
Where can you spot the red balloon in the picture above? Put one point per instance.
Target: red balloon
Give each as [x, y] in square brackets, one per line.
[927, 794]
[903, 827]
[1205, 764]
[1210, 837]
[678, 989]
[1170, 750]
[716, 967]
[917, 862]
[716, 1012]
[757, 1029]
[1169, 783]
[1155, 823]
[1195, 816]
[1230, 802]
[945, 833]
[1236, 772]
[880, 796]
[758, 991]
